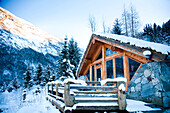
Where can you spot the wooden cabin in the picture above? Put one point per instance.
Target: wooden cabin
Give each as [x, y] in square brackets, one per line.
[112, 56]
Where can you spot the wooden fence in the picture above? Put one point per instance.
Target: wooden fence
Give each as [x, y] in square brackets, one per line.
[71, 97]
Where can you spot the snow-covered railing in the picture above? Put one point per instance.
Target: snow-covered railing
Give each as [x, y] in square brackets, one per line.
[73, 93]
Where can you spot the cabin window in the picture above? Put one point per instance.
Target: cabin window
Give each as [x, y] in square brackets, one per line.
[133, 66]
[119, 67]
[92, 73]
[99, 74]
[109, 52]
[109, 67]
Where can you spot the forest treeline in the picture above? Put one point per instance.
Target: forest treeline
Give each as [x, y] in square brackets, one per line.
[129, 25]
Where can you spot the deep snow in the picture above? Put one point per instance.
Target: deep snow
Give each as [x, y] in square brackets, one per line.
[12, 103]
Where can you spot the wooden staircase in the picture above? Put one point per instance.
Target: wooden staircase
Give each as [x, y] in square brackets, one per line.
[72, 97]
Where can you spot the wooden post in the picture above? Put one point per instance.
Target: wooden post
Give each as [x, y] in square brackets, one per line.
[95, 74]
[52, 88]
[47, 88]
[68, 99]
[90, 74]
[114, 68]
[121, 97]
[103, 63]
[126, 69]
[57, 85]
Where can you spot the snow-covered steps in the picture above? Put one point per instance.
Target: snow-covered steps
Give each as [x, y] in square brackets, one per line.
[96, 106]
[96, 95]
[95, 99]
[95, 92]
[76, 96]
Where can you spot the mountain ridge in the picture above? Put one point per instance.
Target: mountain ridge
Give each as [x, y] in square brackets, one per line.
[22, 28]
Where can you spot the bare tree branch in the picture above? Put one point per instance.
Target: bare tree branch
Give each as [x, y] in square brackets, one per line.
[92, 23]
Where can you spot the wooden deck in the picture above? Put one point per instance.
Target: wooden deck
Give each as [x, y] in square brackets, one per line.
[72, 97]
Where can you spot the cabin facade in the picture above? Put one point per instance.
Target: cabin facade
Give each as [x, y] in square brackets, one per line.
[112, 56]
[109, 57]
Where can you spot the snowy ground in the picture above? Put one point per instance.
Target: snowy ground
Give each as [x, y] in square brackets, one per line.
[137, 106]
[12, 103]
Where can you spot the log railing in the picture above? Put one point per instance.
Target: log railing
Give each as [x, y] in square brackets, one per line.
[71, 94]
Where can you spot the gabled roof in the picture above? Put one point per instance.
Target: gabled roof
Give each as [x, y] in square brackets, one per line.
[164, 49]
[160, 52]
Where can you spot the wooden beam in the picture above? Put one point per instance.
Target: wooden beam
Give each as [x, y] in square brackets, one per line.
[113, 48]
[126, 68]
[97, 52]
[87, 61]
[107, 46]
[100, 60]
[114, 68]
[86, 78]
[98, 66]
[91, 73]
[95, 73]
[86, 70]
[97, 61]
[103, 63]
[114, 56]
[136, 57]
[136, 72]
[96, 42]
[119, 46]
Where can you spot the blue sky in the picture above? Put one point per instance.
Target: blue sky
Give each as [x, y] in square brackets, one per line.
[70, 17]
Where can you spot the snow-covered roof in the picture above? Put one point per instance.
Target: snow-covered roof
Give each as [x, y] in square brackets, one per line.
[164, 49]
[160, 52]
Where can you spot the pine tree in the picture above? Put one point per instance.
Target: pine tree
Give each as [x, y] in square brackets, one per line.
[38, 74]
[158, 34]
[148, 31]
[16, 83]
[27, 82]
[116, 27]
[74, 55]
[63, 65]
[48, 73]
[47, 76]
[166, 32]
[154, 30]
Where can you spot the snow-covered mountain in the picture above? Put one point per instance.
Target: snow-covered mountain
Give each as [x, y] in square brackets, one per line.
[23, 44]
[24, 34]
[22, 28]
